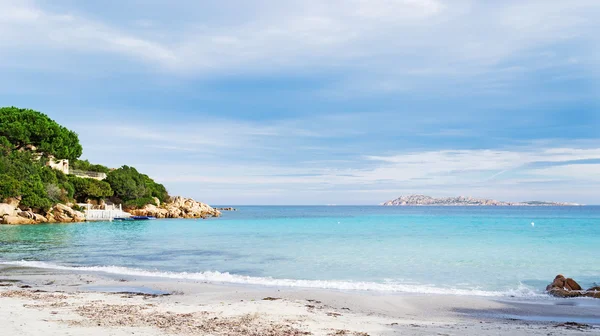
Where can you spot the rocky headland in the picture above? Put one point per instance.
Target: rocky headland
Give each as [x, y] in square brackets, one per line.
[422, 200]
[177, 207]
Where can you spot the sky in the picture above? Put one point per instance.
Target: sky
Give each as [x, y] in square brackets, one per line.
[320, 102]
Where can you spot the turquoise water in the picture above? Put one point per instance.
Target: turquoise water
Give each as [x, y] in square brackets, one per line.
[490, 251]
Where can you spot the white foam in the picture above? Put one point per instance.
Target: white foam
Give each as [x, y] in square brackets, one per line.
[218, 277]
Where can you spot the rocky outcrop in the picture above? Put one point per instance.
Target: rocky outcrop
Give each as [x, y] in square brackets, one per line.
[17, 220]
[567, 288]
[60, 213]
[422, 200]
[177, 207]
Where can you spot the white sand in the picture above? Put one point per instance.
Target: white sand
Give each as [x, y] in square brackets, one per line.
[68, 307]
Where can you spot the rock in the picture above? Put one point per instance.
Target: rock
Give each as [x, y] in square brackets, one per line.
[65, 209]
[39, 218]
[17, 220]
[567, 288]
[7, 210]
[27, 214]
[572, 285]
[64, 214]
[592, 294]
[559, 282]
[177, 207]
[226, 209]
[14, 201]
[563, 293]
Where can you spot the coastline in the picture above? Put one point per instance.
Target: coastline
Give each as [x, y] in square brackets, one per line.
[34, 299]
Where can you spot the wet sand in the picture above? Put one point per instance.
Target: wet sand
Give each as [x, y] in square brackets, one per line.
[50, 302]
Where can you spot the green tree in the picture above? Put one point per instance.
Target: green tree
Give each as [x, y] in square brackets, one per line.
[9, 187]
[22, 127]
[130, 185]
[86, 188]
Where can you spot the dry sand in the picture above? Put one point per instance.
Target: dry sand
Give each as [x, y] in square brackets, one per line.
[49, 302]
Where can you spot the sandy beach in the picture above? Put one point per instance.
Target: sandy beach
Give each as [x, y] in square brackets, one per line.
[48, 302]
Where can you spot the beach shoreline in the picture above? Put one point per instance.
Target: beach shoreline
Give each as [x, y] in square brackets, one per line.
[94, 303]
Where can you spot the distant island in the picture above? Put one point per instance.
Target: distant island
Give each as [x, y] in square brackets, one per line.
[422, 200]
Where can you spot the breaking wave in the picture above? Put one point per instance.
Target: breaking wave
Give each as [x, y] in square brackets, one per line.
[219, 277]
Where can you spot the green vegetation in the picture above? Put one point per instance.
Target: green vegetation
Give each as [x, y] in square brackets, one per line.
[38, 186]
[134, 188]
[23, 127]
[85, 165]
[23, 170]
[87, 188]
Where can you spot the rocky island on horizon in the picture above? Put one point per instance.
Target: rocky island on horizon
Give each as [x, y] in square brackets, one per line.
[423, 200]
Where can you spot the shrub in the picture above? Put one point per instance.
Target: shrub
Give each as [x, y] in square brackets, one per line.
[128, 185]
[35, 202]
[54, 192]
[140, 202]
[86, 188]
[9, 186]
[85, 165]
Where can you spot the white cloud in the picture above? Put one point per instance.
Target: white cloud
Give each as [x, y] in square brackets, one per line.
[497, 174]
[382, 39]
[223, 161]
[26, 27]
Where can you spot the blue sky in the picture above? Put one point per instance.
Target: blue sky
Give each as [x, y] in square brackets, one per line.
[320, 102]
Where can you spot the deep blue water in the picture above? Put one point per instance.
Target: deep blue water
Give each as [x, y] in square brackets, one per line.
[461, 250]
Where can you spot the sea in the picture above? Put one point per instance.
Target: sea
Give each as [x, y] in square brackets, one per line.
[477, 251]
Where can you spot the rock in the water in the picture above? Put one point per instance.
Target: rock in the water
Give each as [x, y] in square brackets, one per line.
[177, 207]
[559, 282]
[572, 285]
[592, 294]
[567, 288]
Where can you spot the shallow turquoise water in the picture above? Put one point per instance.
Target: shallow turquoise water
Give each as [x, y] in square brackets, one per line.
[473, 250]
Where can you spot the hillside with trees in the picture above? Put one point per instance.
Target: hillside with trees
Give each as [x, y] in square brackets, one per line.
[30, 139]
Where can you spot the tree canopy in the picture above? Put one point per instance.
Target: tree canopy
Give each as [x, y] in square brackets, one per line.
[87, 188]
[129, 185]
[22, 127]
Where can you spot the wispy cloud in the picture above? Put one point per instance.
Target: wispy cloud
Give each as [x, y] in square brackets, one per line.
[471, 37]
[250, 156]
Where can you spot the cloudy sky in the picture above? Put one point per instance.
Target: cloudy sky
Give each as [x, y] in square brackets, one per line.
[320, 102]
